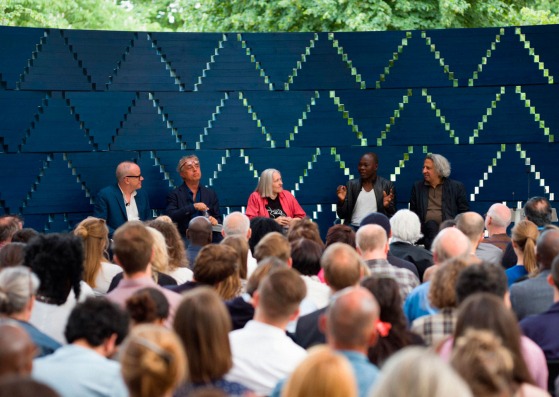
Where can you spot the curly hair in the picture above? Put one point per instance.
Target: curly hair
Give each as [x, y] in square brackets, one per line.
[57, 259]
[304, 228]
[442, 293]
[147, 305]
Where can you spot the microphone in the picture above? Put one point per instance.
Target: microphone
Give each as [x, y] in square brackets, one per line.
[127, 204]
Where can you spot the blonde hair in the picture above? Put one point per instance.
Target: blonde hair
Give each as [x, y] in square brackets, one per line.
[524, 234]
[153, 361]
[403, 376]
[324, 373]
[484, 363]
[160, 260]
[94, 234]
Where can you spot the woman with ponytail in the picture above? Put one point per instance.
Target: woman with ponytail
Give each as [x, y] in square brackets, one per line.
[524, 236]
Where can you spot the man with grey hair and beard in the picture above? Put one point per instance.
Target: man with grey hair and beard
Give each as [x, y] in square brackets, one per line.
[437, 198]
[238, 224]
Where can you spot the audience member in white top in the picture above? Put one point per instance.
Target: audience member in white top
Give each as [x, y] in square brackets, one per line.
[97, 270]
[262, 352]
[57, 259]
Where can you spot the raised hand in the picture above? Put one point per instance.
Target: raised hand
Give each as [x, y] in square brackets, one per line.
[387, 198]
[342, 192]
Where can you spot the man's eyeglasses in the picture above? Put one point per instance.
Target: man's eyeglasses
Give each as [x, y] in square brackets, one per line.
[190, 165]
[133, 176]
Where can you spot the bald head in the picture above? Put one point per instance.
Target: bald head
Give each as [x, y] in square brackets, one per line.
[342, 266]
[236, 224]
[199, 231]
[371, 238]
[351, 318]
[498, 218]
[472, 225]
[450, 243]
[16, 350]
[547, 248]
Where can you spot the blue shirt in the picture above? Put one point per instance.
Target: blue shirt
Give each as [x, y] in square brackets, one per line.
[366, 373]
[514, 273]
[77, 371]
[44, 343]
[417, 303]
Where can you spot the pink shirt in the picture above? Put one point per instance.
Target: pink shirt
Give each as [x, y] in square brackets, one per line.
[256, 205]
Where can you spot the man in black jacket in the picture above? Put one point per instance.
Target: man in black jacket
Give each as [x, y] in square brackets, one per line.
[437, 198]
[370, 193]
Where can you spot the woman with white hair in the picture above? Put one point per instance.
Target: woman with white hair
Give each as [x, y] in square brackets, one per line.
[406, 231]
[271, 201]
[18, 288]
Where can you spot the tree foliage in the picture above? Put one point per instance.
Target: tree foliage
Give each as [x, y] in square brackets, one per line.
[276, 15]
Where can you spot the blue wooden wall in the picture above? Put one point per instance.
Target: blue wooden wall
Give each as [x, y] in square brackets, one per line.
[73, 104]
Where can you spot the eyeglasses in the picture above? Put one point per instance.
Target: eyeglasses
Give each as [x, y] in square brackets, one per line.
[190, 165]
[133, 176]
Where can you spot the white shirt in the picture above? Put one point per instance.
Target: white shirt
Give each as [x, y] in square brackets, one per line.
[181, 274]
[317, 292]
[105, 276]
[262, 355]
[252, 264]
[366, 204]
[51, 319]
[131, 208]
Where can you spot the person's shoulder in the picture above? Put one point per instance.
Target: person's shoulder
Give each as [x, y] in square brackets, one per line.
[108, 190]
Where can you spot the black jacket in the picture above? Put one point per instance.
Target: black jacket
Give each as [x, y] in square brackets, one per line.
[454, 199]
[345, 210]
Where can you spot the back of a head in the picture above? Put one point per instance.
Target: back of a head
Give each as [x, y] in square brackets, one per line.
[442, 292]
[547, 248]
[214, 263]
[57, 259]
[260, 227]
[280, 294]
[199, 231]
[240, 245]
[482, 277]
[304, 228]
[236, 224]
[450, 243]
[173, 241]
[340, 234]
[500, 215]
[376, 218]
[485, 311]
[273, 244]
[147, 305]
[342, 266]
[153, 361]
[324, 373]
[12, 254]
[403, 376]
[24, 235]
[95, 320]
[525, 235]
[555, 271]
[24, 386]
[265, 267]
[484, 363]
[406, 226]
[351, 318]
[133, 247]
[94, 234]
[8, 226]
[160, 260]
[538, 210]
[471, 224]
[387, 293]
[17, 285]
[202, 322]
[306, 256]
[16, 350]
[371, 238]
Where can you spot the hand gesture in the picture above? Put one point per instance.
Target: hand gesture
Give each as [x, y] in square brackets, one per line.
[387, 198]
[342, 192]
[284, 220]
[212, 220]
[201, 207]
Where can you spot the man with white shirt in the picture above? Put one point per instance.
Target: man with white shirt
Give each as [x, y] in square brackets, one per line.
[124, 201]
[238, 224]
[262, 352]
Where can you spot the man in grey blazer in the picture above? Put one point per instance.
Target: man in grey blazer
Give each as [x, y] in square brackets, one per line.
[535, 295]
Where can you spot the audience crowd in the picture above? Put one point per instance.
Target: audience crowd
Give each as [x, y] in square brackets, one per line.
[166, 307]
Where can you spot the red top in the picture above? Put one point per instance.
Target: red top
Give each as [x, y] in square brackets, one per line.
[256, 205]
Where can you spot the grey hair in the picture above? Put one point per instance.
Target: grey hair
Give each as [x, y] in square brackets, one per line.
[401, 376]
[122, 169]
[17, 285]
[236, 224]
[264, 187]
[442, 166]
[406, 226]
[184, 159]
